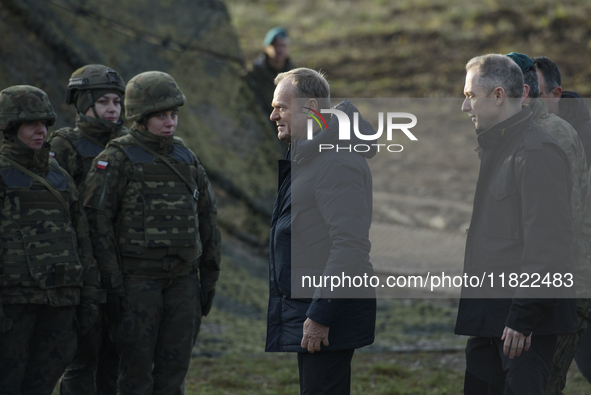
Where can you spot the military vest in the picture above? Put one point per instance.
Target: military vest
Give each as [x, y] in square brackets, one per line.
[87, 149]
[37, 239]
[158, 212]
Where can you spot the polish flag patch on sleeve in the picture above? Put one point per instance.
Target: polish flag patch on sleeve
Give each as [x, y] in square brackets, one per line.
[52, 154]
[101, 164]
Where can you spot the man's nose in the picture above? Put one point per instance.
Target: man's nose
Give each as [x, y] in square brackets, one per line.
[274, 115]
[466, 105]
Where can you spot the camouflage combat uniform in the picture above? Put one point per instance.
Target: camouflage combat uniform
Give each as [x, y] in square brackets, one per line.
[46, 259]
[76, 148]
[158, 247]
[94, 368]
[569, 141]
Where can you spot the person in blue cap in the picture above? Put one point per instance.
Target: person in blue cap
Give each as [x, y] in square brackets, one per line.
[274, 60]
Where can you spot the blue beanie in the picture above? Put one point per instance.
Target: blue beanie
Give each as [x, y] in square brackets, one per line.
[276, 32]
[523, 61]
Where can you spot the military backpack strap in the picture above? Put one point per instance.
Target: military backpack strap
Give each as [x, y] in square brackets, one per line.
[163, 159]
[66, 135]
[37, 177]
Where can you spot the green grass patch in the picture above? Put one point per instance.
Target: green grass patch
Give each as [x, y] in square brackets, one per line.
[381, 373]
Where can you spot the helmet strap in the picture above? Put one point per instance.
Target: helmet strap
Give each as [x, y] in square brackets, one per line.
[91, 102]
[11, 131]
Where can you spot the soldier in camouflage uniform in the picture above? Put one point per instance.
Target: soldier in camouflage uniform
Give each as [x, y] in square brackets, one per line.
[97, 92]
[154, 228]
[569, 141]
[49, 279]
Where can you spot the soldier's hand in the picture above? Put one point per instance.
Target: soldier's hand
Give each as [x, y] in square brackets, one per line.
[113, 307]
[206, 302]
[87, 314]
[314, 334]
[515, 342]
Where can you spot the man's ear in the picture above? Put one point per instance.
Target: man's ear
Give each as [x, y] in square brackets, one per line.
[499, 95]
[525, 93]
[313, 104]
[556, 93]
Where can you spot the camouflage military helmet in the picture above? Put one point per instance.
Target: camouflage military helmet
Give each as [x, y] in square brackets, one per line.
[24, 103]
[94, 76]
[150, 92]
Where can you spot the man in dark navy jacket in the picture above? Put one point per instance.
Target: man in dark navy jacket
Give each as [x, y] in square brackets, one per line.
[521, 226]
[320, 227]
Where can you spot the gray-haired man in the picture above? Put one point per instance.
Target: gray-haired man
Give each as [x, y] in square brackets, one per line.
[320, 226]
[521, 223]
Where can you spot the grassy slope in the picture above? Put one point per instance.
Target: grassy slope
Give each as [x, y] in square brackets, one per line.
[385, 373]
[406, 48]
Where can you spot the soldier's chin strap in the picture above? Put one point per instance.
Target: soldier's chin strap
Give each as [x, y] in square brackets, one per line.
[10, 132]
[91, 102]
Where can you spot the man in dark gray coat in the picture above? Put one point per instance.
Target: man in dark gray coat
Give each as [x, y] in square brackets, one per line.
[320, 227]
[521, 231]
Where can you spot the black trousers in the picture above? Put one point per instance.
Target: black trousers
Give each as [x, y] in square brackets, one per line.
[37, 349]
[490, 372]
[325, 373]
